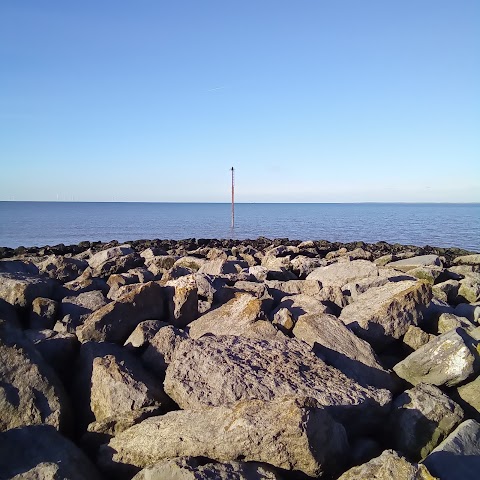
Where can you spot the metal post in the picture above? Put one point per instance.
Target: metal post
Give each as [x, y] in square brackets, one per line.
[233, 197]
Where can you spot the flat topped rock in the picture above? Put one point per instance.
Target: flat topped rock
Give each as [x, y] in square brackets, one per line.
[215, 371]
[413, 262]
[339, 274]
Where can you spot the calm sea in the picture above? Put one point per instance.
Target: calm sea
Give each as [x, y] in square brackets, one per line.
[51, 223]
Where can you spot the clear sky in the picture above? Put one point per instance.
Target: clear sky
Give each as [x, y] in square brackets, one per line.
[310, 100]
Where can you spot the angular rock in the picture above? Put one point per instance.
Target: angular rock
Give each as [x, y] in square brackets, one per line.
[220, 266]
[139, 339]
[193, 263]
[41, 453]
[118, 387]
[470, 395]
[160, 264]
[299, 305]
[258, 272]
[415, 337]
[283, 320]
[159, 353]
[302, 266]
[239, 316]
[458, 456]
[113, 260]
[20, 289]
[382, 315]
[448, 359]
[43, 314]
[469, 290]
[414, 262]
[80, 306]
[288, 433]
[116, 321]
[449, 321]
[472, 312]
[135, 275]
[341, 348]
[30, 392]
[189, 468]
[426, 273]
[339, 274]
[468, 260]
[421, 418]
[388, 466]
[86, 282]
[446, 291]
[64, 269]
[222, 370]
[182, 297]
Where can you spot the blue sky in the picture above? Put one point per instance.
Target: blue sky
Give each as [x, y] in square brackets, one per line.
[311, 101]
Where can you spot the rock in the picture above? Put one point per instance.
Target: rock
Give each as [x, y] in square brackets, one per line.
[279, 268]
[135, 275]
[288, 433]
[86, 282]
[20, 289]
[114, 260]
[220, 266]
[473, 260]
[193, 263]
[239, 316]
[188, 468]
[43, 314]
[458, 456]
[30, 392]
[449, 321]
[283, 320]
[258, 272]
[446, 291]
[415, 337]
[470, 395]
[61, 268]
[214, 371]
[426, 273]
[421, 418]
[41, 453]
[339, 274]
[341, 348]
[448, 360]
[469, 290]
[139, 339]
[159, 353]
[414, 262]
[383, 314]
[118, 387]
[58, 349]
[461, 271]
[116, 321]
[160, 264]
[299, 305]
[388, 466]
[81, 306]
[182, 297]
[302, 266]
[471, 312]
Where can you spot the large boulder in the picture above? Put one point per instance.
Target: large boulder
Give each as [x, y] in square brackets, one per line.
[189, 468]
[43, 313]
[288, 433]
[458, 456]
[411, 263]
[388, 466]
[116, 321]
[64, 269]
[473, 260]
[421, 418]
[182, 297]
[339, 274]
[121, 386]
[383, 314]
[214, 371]
[80, 307]
[41, 453]
[20, 289]
[30, 392]
[341, 348]
[114, 260]
[448, 359]
[243, 315]
[140, 338]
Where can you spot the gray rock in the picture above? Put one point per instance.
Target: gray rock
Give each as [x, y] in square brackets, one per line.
[288, 433]
[81, 306]
[159, 352]
[182, 295]
[470, 395]
[468, 260]
[214, 371]
[113, 260]
[302, 266]
[427, 273]
[135, 275]
[258, 272]
[239, 316]
[86, 282]
[300, 305]
[193, 263]
[341, 348]
[415, 337]
[20, 289]
[119, 387]
[116, 321]
[382, 315]
[446, 291]
[283, 320]
[388, 466]
[449, 321]
[415, 262]
[41, 453]
[472, 312]
[140, 338]
[160, 264]
[188, 468]
[448, 359]
[469, 290]
[458, 456]
[43, 314]
[62, 268]
[421, 418]
[30, 392]
[339, 274]
[220, 266]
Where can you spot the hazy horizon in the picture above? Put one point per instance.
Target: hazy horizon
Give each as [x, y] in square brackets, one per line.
[311, 102]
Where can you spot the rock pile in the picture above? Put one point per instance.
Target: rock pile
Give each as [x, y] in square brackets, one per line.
[209, 359]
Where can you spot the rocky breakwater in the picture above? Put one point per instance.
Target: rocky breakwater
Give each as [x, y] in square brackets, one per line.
[239, 360]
